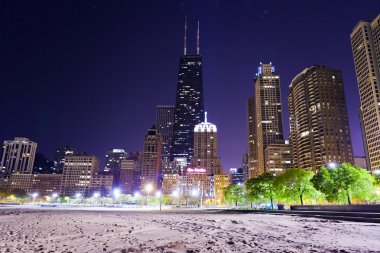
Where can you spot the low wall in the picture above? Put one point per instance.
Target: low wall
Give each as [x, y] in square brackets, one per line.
[338, 208]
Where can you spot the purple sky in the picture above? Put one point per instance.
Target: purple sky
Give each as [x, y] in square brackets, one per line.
[90, 73]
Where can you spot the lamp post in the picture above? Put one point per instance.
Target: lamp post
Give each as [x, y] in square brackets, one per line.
[54, 195]
[34, 196]
[148, 188]
[95, 196]
[116, 194]
[159, 195]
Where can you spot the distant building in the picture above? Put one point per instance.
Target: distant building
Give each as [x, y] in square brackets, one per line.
[137, 157]
[113, 160]
[252, 138]
[151, 160]
[102, 183]
[246, 170]
[179, 165]
[221, 181]
[170, 183]
[361, 161]
[77, 174]
[18, 156]
[21, 181]
[42, 165]
[164, 124]
[198, 182]
[189, 107]
[128, 176]
[319, 130]
[59, 157]
[42, 184]
[267, 112]
[365, 45]
[278, 158]
[206, 148]
[237, 176]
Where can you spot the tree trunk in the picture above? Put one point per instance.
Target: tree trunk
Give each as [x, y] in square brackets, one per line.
[301, 200]
[348, 197]
[271, 202]
[235, 202]
[251, 205]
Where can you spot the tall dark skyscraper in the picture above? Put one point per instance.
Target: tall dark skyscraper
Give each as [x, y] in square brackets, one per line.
[164, 123]
[189, 108]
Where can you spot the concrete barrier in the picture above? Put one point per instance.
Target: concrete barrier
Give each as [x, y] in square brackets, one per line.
[338, 208]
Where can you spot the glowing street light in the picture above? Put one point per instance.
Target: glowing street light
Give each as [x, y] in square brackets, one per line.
[78, 195]
[34, 196]
[136, 195]
[54, 196]
[332, 165]
[377, 172]
[194, 193]
[116, 193]
[175, 194]
[148, 188]
[96, 195]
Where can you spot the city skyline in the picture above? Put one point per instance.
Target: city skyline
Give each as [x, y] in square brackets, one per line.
[60, 118]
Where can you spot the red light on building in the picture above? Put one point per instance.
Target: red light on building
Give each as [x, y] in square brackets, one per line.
[196, 171]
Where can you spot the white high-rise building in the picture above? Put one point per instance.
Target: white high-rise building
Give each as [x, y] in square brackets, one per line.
[18, 156]
[365, 42]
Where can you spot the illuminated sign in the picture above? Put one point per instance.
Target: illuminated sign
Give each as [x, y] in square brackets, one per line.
[196, 171]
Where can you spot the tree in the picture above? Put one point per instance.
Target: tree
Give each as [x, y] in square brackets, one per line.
[19, 193]
[295, 184]
[261, 187]
[344, 182]
[4, 193]
[234, 193]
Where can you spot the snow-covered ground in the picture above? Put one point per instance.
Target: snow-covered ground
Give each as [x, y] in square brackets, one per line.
[50, 230]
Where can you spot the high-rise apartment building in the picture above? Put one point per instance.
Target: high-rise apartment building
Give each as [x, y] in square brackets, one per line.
[252, 128]
[59, 157]
[319, 130]
[245, 165]
[189, 106]
[267, 114]
[151, 160]
[365, 42]
[113, 160]
[77, 174]
[278, 158]
[18, 156]
[206, 148]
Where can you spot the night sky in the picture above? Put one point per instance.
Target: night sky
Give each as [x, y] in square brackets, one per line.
[89, 74]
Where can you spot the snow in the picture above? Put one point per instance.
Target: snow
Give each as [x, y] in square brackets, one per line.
[113, 230]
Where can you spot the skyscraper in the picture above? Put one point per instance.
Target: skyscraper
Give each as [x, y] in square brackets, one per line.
[189, 106]
[319, 130]
[113, 162]
[365, 42]
[59, 157]
[164, 124]
[252, 128]
[206, 148]
[267, 114]
[151, 160]
[18, 156]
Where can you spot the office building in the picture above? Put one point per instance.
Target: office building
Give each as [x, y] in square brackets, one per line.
[59, 157]
[221, 181]
[189, 107]
[113, 160]
[164, 124]
[278, 158]
[77, 174]
[319, 130]
[101, 182]
[128, 176]
[365, 43]
[206, 148]
[237, 176]
[252, 128]
[18, 156]
[245, 164]
[151, 160]
[267, 114]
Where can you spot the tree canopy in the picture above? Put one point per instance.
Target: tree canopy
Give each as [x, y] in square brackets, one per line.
[261, 188]
[234, 193]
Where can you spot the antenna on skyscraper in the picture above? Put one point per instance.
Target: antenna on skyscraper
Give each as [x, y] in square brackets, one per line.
[185, 37]
[198, 39]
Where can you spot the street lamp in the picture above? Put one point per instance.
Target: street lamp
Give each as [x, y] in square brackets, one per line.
[54, 195]
[377, 172]
[148, 188]
[332, 165]
[78, 195]
[116, 193]
[34, 196]
[159, 195]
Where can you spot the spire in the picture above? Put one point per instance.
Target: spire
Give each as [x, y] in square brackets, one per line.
[205, 117]
[198, 40]
[185, 38]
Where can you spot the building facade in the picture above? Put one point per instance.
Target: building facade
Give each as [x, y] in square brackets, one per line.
[164, 124]
[59, 157]
[77, 174]
[319, 130]
[278, 158]
[252, 128]
[18, 156]
[221, 181]
[267, 113]
[237, 176]
[206, 148]
[365, 43]
[102, 183]
[128, 176]
[114, 157]
[151, 160]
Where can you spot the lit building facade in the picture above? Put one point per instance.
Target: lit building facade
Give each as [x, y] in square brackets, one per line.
[278, 158]
[59, 157]
[237, 176]
[102, 183]
[164, 124]
[267, 112]
[77, 174]
[170, 182]
[319, 130]
[206, 148]
[365, 43]
[113, 160]
[245, 164]
[221, 181]
[18, 156]
[151, 160]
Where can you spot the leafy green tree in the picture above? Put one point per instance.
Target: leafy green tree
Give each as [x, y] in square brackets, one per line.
[19, 193]
[234, 193]
[4, 193]
[295, 184]
[261, 188]
[344, 182]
